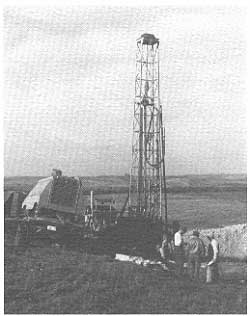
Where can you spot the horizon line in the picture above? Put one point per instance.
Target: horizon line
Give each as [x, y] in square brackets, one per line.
[127, 174]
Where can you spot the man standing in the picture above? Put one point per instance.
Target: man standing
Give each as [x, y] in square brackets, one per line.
[179, 251]
[196, 251]
[163, 250]
[213, 256]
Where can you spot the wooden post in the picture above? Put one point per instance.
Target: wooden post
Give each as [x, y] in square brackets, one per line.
[91, 201]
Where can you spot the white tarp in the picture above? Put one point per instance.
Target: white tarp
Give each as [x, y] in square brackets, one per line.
[35, 193]
[141, 261]
[147, 263]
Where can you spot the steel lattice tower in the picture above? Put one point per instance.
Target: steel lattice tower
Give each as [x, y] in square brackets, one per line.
[147, 190]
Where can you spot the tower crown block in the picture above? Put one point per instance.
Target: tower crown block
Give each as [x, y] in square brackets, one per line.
[148, 39]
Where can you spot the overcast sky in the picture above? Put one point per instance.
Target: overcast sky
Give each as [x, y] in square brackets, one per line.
[69, 88]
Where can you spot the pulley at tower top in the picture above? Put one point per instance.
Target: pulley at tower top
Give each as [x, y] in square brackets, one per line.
[148, 39]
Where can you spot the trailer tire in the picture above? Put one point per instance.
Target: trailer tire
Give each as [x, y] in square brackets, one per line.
[21, 237]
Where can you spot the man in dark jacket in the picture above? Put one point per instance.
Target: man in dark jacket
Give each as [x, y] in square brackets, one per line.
[196, 251]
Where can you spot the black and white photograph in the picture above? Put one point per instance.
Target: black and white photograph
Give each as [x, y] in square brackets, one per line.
[125, 158]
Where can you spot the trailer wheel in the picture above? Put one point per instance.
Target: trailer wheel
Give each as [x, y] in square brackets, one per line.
[21, 237]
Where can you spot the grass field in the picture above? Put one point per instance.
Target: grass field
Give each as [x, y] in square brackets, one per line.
[202, 210]
[56, 281]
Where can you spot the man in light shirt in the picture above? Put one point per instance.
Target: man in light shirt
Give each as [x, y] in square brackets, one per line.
[179, 251]
[213, 258]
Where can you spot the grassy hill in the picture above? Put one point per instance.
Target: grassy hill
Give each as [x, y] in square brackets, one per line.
[200, 201]
[119, 184]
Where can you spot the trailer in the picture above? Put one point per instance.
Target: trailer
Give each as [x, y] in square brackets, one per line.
[58, 208]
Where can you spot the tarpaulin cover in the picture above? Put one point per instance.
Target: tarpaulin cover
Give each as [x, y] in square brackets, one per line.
[8, 195]
[8, 200]
[59, 194]
[12, 202]
[36, 194]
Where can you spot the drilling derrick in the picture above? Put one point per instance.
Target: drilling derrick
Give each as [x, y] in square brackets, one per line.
[147, 190]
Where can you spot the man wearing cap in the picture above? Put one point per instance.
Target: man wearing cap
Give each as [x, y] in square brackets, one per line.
[196, 251]
[179, 251]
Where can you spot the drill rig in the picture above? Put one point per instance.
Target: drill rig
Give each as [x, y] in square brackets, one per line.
[147, 188]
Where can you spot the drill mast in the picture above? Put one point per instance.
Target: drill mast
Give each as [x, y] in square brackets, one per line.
[147, 190]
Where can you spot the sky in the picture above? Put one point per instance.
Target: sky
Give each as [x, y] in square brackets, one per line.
[69, 76]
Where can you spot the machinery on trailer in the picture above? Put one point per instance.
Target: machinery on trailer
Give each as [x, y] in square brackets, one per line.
[100, 213]
[58, 208]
